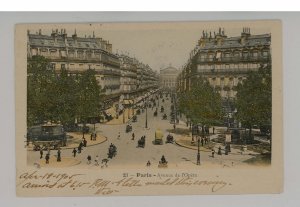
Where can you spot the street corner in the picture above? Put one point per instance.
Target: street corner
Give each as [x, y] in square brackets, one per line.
[76, 138]
[53, 163]
[186, 141]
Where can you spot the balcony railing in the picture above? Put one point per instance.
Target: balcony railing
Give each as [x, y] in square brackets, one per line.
[236, 59]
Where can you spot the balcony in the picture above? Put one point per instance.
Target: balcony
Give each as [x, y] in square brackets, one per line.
[235, 59]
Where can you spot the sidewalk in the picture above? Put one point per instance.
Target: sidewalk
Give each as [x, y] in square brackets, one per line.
[76, 137]
[65, 162]
[186, 141]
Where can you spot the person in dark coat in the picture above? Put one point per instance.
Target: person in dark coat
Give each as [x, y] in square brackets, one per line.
[163, 160]
[80, 147]
[89, 158]
[202, 142]
[132, 136]
[84, 142]
[58, 155]
[41, 153]
[91, 136]
[74, 152]
[47, 157]
[219, 151]
[213, 153]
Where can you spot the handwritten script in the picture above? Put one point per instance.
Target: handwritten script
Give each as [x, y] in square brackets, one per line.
[35, 180]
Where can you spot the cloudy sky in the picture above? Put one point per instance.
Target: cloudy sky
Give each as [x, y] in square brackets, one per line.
[156, 44]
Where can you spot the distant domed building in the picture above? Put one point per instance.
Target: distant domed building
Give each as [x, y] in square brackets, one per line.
[168, 78]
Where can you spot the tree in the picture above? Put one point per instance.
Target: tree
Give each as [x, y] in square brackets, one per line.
[40, 81]
[66, 95]
[201, 104]
[88, 96]
[254, 99]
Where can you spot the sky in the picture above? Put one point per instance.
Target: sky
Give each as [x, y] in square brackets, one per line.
[156, 44]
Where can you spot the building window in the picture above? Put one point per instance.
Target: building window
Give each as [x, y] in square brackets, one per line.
[265, 53]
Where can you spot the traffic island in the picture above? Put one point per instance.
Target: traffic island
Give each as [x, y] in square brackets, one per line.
[65, 162]
[186, 141]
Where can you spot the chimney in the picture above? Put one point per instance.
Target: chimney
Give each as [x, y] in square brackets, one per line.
[245, 34]
[54, 35]
[64, 35]
[74, 36]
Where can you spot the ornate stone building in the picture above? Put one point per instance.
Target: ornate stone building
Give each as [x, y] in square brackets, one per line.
[77, 54]
[168, 78]
[225, 61]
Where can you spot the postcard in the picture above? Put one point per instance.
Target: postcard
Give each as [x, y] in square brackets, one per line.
[149, 108]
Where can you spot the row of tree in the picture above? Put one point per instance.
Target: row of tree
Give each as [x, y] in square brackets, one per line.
[202, 104]
[60, 97]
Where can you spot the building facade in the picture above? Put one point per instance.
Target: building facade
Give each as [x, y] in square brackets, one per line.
[77, 54]
[168, 78]
[225, 61]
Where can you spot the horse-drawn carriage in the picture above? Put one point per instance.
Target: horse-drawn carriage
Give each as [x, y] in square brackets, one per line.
[163, 163]
[170, 139]
[142, 141]
[128, 128]
[112, 151]
[158, 137]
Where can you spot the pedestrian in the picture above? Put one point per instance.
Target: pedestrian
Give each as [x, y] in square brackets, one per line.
[89, 158]
[219, 151]
[95, 136]
[213, 130]
[41, 153]
[132, 136]
[97, 161]
[202, 142]
[91, 136]
[84, 142]
[79, 147]
[213, 153]
[119, 136]
[47, 157]
[205, 140]
[148, 163]
[74, 152]
[58, 155]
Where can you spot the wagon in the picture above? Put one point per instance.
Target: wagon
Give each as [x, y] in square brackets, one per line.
[158, 137]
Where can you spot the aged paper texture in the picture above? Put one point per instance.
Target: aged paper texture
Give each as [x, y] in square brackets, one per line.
[165, 108]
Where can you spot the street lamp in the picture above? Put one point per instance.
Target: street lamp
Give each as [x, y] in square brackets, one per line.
[198, 154]
[146, 123]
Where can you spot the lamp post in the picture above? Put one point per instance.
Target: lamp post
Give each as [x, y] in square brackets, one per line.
[198, 154]
[146, 123]
[124, 115]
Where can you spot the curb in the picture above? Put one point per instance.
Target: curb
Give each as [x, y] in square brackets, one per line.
[105, 139]
[182, 145]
